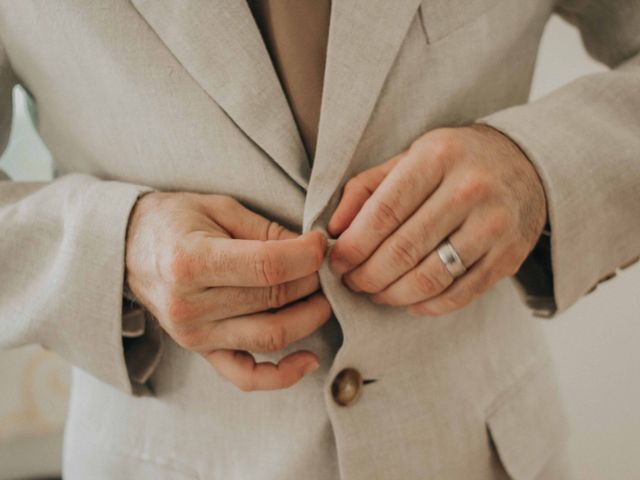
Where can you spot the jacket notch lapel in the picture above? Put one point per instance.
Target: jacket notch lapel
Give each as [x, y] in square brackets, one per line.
[219, 44]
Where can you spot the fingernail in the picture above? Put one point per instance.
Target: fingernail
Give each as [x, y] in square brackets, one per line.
[311, 367]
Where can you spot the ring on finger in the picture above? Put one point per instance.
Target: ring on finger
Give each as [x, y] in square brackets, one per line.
[451, 259]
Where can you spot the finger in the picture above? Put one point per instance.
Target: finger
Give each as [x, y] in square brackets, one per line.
[356, 192]
[241, 369]
[251, 263]
[270, 331]
[223, 302]
[430, 278]
[402, 191]
[242, 223]
[482, 276]
[408, 245]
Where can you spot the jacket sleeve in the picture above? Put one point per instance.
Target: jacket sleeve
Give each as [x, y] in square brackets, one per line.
[62, 269]
[584, 142]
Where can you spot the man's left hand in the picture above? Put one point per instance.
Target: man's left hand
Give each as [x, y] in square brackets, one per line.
[470, 185]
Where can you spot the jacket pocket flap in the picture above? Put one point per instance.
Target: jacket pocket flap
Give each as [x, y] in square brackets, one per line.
[528, 424]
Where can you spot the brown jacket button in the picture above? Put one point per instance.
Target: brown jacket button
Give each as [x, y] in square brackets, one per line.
[347, 387]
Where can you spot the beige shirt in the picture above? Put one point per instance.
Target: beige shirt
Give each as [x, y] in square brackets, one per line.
[295, 33]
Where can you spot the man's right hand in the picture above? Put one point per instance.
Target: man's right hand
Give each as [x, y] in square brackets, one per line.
[224, 281]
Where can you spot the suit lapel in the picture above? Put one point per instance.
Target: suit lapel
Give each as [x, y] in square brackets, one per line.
[364, 38]
[220, 46]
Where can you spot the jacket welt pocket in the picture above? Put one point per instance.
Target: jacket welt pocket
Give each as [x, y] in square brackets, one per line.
[527, 424]
[441, 17]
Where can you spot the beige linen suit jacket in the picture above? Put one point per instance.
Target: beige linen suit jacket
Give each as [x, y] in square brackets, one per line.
[181, 95]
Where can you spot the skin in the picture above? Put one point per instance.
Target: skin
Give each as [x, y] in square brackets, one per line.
[224, 281]
[470, 184]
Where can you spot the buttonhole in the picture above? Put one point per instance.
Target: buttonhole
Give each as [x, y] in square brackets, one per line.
[367, 381]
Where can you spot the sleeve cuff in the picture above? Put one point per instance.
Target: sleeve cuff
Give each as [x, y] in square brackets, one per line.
[92, 335]
[545, 279]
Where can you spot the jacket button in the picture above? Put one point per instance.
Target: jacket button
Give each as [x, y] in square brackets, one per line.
[347, 387]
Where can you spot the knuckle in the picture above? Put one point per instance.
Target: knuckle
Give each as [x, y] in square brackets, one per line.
[353, 184]
[270, 269]
[460, 197]
[497, 223]
[472, 189]
[367, 282]
[430, 149]
[278, 295]
[426, 283]
[191, 339]
[272, 340]
[404, 251]
[385, 217]
[225, 202]
[179, 310]
[416, 148]
[181, 268]
[408, 183]
[479, 177]
[442, 143]
[351, 251]
[275, 231]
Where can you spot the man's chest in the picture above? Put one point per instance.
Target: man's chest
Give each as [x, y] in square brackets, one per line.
[158, 95]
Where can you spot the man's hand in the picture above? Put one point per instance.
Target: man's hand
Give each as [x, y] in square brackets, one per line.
[469, 184]
[223, 281]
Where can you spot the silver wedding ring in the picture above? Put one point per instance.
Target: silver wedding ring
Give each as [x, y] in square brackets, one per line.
[451, 259]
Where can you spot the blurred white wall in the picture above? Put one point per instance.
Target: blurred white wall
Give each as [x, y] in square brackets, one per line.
[595, 343]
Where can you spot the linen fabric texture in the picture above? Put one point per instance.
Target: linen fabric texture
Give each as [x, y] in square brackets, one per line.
[154, 94]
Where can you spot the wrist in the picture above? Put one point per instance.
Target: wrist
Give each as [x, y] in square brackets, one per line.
[135, 216]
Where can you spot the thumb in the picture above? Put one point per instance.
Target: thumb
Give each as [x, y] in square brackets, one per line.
[356, 192]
